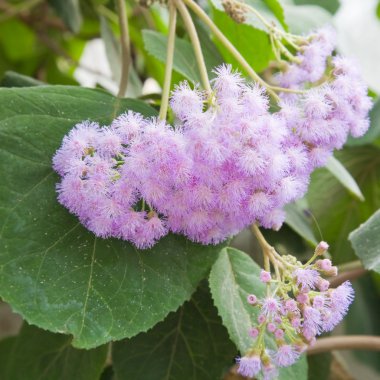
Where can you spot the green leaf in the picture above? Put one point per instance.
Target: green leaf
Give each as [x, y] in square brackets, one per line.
[184, 59]
[70, 13]
[233, 277]
[13, 79]
[17, 40]
[297, 220]
[255, 46]
[366, 242]
[344, 177]
[335, 210]
[189, 344]
[53, 271]
[270, 10]
[305, 18]
[36, 354]
[373, 131]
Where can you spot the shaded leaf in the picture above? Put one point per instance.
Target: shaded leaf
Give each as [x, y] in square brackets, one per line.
[337, 212]
[36, 354]
[189, 344]
[70, 13]
[13, 79]
[184, 59]
[53, 271]
[366, 242]
[297, 220]
[233, 277]
[344, 177]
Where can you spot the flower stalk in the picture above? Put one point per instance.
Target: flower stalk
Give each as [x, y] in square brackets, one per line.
[169, 61]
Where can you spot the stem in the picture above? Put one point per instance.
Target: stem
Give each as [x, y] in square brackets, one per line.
[192, 32]
[356, 342]
[229, 46]
[347, 275]
[257, 14]
[169, 61]
[124, 41]
[350, 265]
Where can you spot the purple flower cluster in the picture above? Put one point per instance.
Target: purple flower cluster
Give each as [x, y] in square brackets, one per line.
[220, 168]
[301, 307]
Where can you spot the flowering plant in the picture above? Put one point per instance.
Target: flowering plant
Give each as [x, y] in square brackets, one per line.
[122, 208]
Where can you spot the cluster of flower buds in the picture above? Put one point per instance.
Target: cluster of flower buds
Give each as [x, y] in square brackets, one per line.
[299, 305]
[221, 167]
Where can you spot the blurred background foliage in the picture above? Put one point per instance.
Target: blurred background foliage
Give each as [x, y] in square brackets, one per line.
[76, 42]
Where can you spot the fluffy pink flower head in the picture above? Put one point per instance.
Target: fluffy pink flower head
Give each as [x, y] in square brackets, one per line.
[249, 366]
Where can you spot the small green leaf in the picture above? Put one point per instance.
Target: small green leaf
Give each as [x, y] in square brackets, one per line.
[36, 354]
[70, 13]
[233, 277]
[366, 242]
[270, 10]
[255, 46]
[53, 271]
[344, 177]
[297, 220]
[184, 59]
[189, 344]
[13, 79]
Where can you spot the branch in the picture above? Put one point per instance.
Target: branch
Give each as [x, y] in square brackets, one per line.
[349, 342]
[124, 41]
[349, 275]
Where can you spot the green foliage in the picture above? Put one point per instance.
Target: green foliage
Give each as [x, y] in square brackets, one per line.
[297, 220]
[344, 177]
[36, 354]
[257, 54]
[184, 58]
[335, 210]
[69, 11]
[233, 277]
[366, 242]
[13, 79]
[54, 272]
[189, 344]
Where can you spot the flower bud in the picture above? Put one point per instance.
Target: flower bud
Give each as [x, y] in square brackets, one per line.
[252, 299]
[265, 276]
[321, 248]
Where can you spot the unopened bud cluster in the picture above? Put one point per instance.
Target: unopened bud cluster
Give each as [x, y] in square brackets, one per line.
[298, 306]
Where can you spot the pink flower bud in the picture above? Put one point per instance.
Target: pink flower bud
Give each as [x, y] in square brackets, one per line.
[279, 334]
[323, 284]
[271, 327]
[261, 318]
[253, 333]
[302, 298]
[290, 305]
[321, 248]
[296, 322]
[265, 276]
[332, 272]
[324, 264]
[252, 299]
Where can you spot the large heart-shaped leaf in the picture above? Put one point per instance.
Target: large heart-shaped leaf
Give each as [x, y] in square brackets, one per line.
[36, 354]
[191, 344]
[233, 277]
[54, 272]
